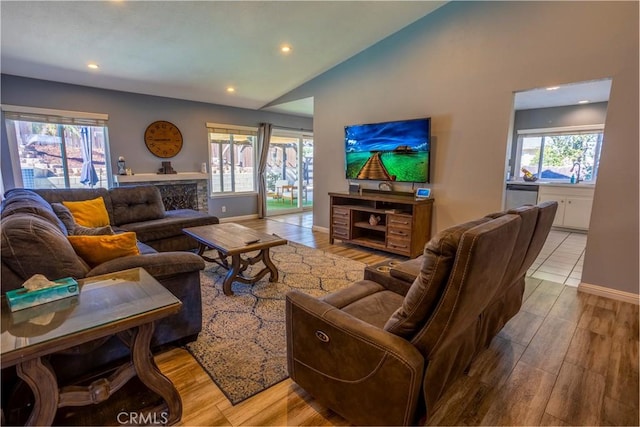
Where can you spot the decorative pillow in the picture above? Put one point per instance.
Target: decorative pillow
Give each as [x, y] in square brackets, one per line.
[75, 229]
[89, 213]
[98, 249]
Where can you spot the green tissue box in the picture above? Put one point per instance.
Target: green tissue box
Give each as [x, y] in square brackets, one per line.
[22, 298]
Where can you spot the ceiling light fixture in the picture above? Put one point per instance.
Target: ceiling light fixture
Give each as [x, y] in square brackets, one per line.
[231, 89]
[285, 49]
[584, 101]
[553, 88]
[93, 66]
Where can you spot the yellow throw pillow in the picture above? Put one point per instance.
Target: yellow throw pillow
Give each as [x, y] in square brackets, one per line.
[89, 213]
[98, 249]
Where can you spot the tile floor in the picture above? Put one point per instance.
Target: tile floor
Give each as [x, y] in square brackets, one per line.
[561, 258]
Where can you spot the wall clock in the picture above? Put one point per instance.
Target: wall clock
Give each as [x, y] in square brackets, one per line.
[163, 139]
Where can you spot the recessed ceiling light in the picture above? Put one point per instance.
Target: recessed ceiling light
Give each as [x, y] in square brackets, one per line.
[93, 66]
[553, 88]
[584, 101]
[285, 48]
[231, 89]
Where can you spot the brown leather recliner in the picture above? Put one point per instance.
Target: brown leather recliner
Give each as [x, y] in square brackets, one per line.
[536, 223]
[377, 357]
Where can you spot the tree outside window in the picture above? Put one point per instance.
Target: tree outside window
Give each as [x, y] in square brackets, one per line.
[560, 156]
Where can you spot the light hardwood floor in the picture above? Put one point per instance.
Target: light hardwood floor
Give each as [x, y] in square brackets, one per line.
[566, 358]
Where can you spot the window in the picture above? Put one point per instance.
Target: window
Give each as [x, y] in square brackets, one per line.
[232, 158]
[559, 154]
[57, 149]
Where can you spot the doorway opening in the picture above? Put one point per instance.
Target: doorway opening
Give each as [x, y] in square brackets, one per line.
[554, 149]
[289, 173]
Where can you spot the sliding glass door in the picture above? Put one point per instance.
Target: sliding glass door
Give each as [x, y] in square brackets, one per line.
[289, 172]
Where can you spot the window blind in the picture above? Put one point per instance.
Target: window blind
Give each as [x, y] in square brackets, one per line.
[566, 130]
[46, 115]
[236, 130]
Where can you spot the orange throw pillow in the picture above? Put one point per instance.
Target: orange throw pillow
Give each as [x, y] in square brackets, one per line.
[89, 213]
[98, 249]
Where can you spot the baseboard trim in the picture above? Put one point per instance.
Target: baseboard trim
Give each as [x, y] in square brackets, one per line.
[320, 229]
[238, 218]
[609, 293]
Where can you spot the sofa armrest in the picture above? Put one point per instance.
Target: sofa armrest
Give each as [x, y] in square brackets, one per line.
[159, 265]
[367, 375]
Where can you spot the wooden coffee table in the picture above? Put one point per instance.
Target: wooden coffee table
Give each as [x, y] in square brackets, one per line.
[125, 303]
[234, 240]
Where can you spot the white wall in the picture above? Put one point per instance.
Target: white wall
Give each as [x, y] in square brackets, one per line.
[461, 65]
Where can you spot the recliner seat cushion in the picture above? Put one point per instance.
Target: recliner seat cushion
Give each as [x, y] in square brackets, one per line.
[424, 293]
[374, 306]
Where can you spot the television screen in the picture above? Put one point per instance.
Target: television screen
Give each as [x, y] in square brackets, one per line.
[389, 151]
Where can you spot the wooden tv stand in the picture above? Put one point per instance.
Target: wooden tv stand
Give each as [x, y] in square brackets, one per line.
[404, 227]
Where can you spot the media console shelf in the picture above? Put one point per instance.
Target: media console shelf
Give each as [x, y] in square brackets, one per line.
[404, 226]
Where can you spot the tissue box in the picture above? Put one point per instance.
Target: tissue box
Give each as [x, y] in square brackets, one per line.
[22, 298]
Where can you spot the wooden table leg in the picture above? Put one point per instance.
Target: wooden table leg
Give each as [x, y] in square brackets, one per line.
[231, 274]
[270, 265]
[151, 376]
[238, 265]
[43, 382]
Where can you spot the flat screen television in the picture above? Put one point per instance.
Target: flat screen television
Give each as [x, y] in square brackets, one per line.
[389, 151]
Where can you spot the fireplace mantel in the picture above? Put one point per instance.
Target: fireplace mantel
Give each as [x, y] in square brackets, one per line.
[153, 177]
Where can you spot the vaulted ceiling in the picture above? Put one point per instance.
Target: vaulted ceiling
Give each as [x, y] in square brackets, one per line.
[195, 50]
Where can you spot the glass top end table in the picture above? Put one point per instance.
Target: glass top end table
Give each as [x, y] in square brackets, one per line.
[125, 302]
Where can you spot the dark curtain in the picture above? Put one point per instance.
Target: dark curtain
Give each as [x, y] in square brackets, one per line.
[264, 138]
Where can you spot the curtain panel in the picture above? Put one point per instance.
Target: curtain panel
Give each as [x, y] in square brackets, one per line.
[264, 138]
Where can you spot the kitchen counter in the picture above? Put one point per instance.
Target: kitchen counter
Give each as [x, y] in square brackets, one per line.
[574, 200]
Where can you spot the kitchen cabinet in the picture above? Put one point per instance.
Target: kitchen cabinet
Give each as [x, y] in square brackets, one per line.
[574, 205]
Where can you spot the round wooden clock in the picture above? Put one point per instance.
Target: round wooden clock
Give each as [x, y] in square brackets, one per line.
[163, 139]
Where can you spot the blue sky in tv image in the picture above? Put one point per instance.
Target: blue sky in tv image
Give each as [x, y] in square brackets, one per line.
[389, 151]
[387, 136]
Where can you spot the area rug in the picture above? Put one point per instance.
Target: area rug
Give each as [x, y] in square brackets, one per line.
[242, 344]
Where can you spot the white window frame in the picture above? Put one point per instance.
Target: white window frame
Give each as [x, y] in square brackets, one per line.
[228, 128]
[545, 132]
[48, 115]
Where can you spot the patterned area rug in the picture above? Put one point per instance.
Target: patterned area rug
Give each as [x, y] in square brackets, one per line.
[242, 344]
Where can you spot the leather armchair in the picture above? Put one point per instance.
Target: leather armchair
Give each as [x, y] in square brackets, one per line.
[377, 357]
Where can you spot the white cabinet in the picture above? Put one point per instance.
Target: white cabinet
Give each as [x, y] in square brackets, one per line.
[574, 205]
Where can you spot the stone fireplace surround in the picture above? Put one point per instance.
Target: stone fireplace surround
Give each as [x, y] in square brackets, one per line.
[184, 190]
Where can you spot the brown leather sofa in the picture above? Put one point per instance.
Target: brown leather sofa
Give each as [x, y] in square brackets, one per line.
[380, 356]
